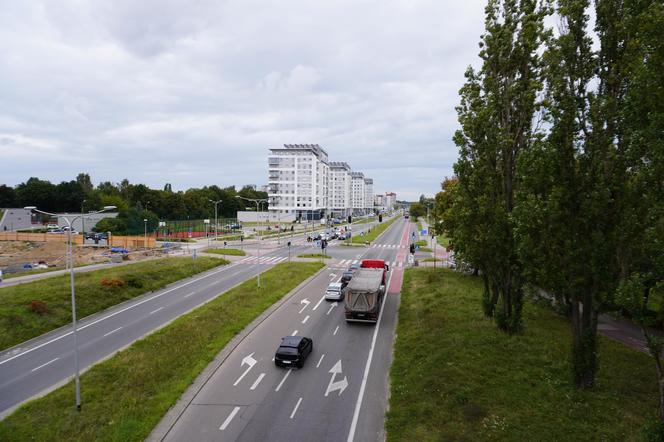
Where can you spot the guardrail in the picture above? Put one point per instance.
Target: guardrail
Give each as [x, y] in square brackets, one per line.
[114, 240]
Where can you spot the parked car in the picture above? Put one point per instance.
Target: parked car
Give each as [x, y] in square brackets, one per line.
[342, 237]
[345, 278]
[293, 351]
[334, 292]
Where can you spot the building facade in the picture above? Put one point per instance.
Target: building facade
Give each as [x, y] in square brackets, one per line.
[298, 181]
[357, 193]
[368, 195]
[340, 189]
[390, 200]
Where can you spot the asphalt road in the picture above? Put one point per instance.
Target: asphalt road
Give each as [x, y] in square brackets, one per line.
[42, 364]
[340, 394]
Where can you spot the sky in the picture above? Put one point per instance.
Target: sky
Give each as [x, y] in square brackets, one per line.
[194, 93]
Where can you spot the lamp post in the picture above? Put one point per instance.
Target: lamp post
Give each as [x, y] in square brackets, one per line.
[145, 232]
[216, 223]
[258, 260]
[70, 254]
[83, 220]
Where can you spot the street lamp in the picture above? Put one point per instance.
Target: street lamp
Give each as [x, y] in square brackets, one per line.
[258, 260]
[145, 233]
[216, 225]
[70, 254]
[83, 220]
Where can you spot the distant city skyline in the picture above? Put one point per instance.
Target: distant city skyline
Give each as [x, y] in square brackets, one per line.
[196, 94]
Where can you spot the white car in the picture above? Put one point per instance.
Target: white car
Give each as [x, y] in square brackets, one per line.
[334, 292]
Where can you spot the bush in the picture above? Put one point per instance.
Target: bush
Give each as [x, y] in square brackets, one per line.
[134, 281]
[112, 282]
[653, 430]
[38, 307]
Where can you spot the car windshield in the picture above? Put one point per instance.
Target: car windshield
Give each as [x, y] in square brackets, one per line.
[287, 351]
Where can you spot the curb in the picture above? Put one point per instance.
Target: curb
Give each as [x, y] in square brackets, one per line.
[173, 414]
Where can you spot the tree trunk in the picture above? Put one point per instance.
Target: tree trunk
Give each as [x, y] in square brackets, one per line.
[584, 344]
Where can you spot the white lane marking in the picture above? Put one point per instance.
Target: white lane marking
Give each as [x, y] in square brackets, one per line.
[296, 407]
[112, 331]
[229, 418]
[318, 303]
[115, 313]
[155, 311]
[189, 294]
[304, 321]
[258, 381]
[247, 360]
[294, 333]
[336, 330]
[320, 360]
[283, 380]
[44, 365]
[365, 376]
[355, 261]
[306, 303]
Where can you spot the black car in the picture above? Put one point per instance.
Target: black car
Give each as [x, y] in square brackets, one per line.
[345, 278]
[293, 351]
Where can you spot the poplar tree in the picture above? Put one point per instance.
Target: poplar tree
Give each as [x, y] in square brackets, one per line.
[496, 112]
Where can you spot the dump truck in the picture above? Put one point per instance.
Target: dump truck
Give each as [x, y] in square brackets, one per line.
[365, 292]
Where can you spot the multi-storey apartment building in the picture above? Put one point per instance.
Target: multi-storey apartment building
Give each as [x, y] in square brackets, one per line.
[298, 180]
[368, 195]
[357, 193]
[339, 189]
[390, 200]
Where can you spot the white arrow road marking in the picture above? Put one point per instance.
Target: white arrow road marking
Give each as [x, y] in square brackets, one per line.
[249, 360]
[332, 275]
[296, 407]
[306, 303]
[304, 321]
[229, 418]
[336, 330]
[318, 303]
[320, 360]
[334, 304]
[44, 365]
[258, 381]
[340, 385]
[283, 380]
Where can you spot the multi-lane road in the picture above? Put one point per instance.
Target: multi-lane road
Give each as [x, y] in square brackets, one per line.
[349, 362]
[340, 394]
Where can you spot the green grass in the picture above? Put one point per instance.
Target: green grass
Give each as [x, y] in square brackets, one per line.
[425, 249]
[232, 252]
[313, 255]
[430, 259]
[456, 377]
[18, 323]
[375, 231]
[421, 243]
[126, 396]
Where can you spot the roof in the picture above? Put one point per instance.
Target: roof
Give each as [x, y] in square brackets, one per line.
[290, 341]
[357, 175]
[334, 285]
[366, 280]
[339, 165]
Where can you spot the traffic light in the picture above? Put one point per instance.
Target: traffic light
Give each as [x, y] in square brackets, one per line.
[412, 247]
[350, 219]
[288, 243]
[380, 218]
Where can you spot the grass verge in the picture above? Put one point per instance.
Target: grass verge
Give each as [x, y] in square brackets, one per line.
[370, 236]
[126, 396]
[421, 242]
[231, 252]
[425, 249]
[313, 255]
[430, 259]
[31, 309]
[456, 377]
[443, 240]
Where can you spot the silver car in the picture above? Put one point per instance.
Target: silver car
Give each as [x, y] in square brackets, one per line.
[334, 292]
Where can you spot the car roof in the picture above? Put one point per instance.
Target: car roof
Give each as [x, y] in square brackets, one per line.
[334, 285]
[291, 341]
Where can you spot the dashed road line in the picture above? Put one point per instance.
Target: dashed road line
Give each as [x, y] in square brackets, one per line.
[229, 418]
[258, 381]
[283, 380]
[112, 331]
[155, 311]
[295, 409]
[304, 321]
[336, 330]
[320, 360]
[44, 365]
[318, 303]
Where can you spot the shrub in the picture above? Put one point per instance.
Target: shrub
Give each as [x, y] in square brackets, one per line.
[134, 281]
[38, 307]
[112, 282]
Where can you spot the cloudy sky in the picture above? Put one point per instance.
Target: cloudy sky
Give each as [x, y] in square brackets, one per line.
[195, 92]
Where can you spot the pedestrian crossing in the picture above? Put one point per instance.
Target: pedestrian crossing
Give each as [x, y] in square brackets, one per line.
[344, 263]
[388, 246]
[263, 260]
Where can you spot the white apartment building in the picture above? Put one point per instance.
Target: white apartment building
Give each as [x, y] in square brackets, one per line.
[339, 189]
[357, 193]
[379, 201]
[390, 200]
[298, 181]
[368, 195]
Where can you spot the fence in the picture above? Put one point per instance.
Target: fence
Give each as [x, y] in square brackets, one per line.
[115, 241]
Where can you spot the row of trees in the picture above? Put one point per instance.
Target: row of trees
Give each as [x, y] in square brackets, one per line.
[560, 178]
[135, 202]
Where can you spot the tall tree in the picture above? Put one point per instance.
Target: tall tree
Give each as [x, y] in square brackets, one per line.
[496, 113]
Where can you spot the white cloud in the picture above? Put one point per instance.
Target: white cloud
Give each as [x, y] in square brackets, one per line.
[169, 91]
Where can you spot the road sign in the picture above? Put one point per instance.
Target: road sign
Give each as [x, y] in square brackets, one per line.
[423, 232]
